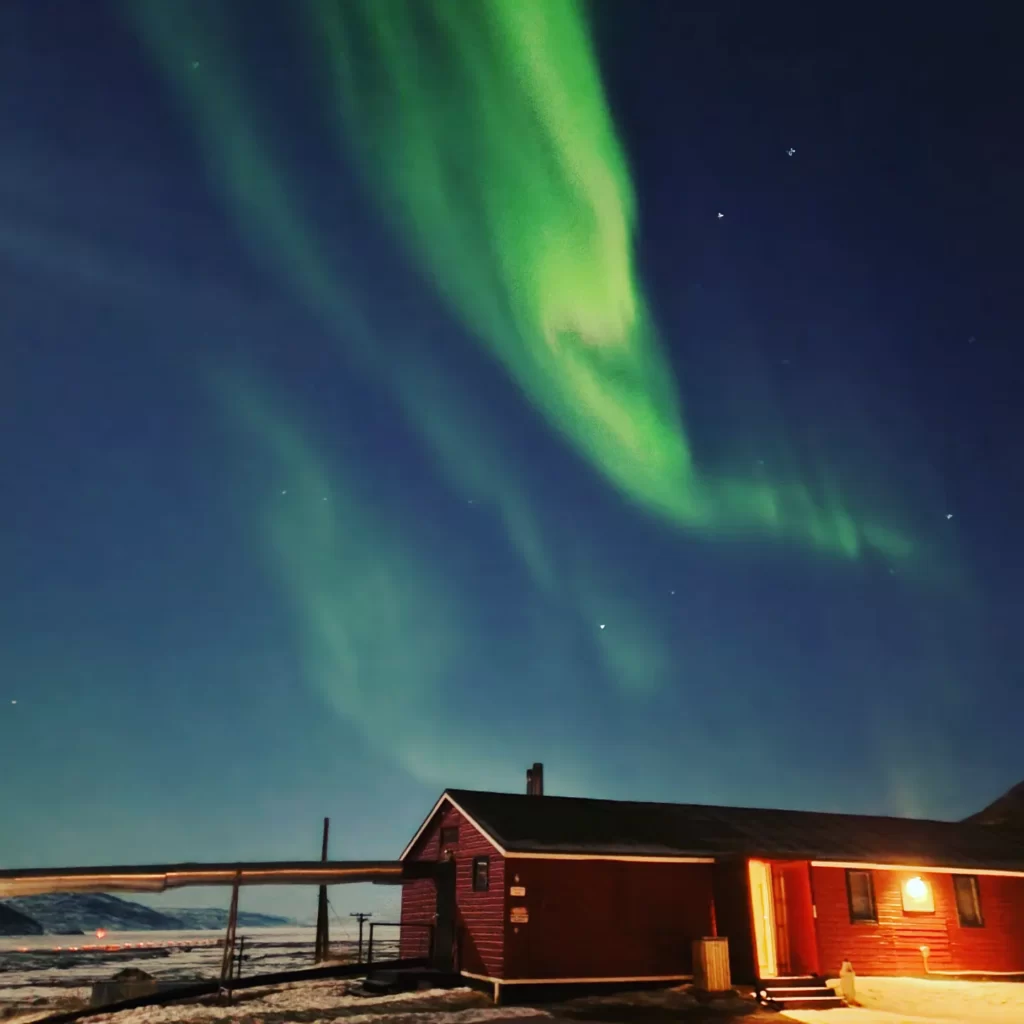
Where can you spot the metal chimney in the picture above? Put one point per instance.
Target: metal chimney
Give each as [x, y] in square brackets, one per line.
[535, 780]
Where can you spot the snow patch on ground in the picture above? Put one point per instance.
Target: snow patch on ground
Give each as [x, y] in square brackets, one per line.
[426, 1007]
[31, 967]
[925, 1001]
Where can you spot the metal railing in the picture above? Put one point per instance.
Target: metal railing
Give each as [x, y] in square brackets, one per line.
[400, 924]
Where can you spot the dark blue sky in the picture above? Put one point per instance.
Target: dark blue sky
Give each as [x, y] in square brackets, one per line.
[169, 625]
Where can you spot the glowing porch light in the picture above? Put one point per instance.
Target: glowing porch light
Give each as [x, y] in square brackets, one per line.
[917, 889]
[917, 896]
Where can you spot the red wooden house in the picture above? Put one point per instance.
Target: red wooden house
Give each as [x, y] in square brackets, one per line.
[554, 889]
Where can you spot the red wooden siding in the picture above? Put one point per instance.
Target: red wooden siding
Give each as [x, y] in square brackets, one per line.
[479, 915]
[999, 944]
[892, 946]
[605, 919]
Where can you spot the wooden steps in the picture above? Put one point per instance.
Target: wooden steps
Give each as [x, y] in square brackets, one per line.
[805, 992]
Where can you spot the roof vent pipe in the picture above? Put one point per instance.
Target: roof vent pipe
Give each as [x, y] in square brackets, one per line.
[535, 780]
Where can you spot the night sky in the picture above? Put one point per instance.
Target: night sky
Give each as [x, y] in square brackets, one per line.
[393, 395]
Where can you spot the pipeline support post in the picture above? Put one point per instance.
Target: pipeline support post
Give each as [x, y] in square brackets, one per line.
[227, 961]
[322, 946]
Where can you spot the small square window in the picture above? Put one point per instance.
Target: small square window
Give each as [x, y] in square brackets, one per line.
[860, 891]
[449, 836]
[968, 901]
[481, 874]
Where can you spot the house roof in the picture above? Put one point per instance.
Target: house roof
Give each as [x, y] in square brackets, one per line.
[571, 825]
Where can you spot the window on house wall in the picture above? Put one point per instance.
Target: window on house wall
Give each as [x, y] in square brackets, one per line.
[860, 891]
[968, 901]
[449, 836]
[481, 874]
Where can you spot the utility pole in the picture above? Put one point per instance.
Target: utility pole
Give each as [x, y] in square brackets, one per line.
[322, 940]
[360, 917]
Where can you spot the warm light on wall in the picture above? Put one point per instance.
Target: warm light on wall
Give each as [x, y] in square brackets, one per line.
[917, 889]
[917, 896]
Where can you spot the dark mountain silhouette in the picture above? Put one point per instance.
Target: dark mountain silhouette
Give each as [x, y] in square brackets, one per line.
[14, 922]
[1007, 810]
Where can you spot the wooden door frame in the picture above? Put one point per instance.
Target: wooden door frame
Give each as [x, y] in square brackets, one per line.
[757, 919]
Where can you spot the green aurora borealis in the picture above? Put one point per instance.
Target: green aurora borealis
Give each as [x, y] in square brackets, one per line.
[524, 219]
[484, 133]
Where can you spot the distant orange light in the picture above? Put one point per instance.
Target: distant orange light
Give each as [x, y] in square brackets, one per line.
[101, 933]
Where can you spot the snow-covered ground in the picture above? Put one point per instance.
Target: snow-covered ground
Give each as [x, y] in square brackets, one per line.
[37, 976]
[925, 1001]
[329, 1002]
[330, 999]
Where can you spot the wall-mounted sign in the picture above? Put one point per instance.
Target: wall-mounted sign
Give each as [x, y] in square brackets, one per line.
[519, 915]
[517, 890]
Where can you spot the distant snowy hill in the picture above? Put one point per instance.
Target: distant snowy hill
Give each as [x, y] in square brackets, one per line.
[79, 913]
[213, 917]
[85, 912]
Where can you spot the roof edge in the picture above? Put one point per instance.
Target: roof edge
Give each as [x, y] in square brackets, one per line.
[423, 826]
[972, 820]
[487, 833]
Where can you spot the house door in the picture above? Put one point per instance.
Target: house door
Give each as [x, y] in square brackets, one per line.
[444, 918]
[795, 931]
[762, 910]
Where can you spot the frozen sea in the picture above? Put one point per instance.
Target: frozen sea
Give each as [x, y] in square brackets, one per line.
[56, 971]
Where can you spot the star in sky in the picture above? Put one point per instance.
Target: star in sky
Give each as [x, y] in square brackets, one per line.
[720, 215]
[790, 151]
